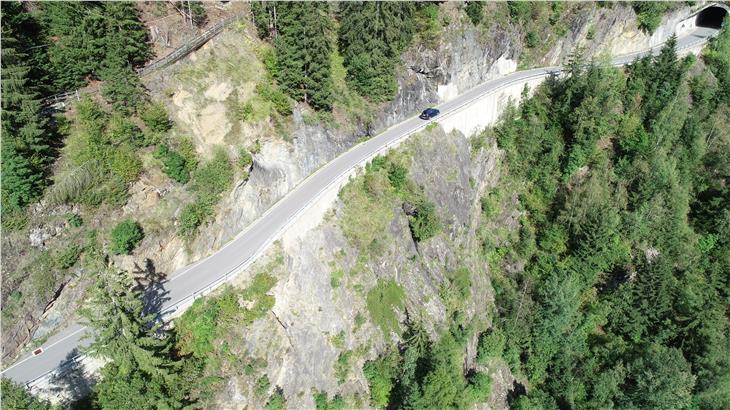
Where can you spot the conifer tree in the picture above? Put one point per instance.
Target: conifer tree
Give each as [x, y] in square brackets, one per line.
[141, 372]
[75, 50]
[264, 17]
[105, 34]
[371, 38]
[303, 49]
[25, 134]
[126, 35]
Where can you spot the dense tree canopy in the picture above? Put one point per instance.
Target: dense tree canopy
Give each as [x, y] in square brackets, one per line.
[303, 52]
[105, 36]
[26, 136]
[372, 36]
[624, 295]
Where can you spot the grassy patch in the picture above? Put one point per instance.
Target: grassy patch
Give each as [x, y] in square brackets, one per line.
[336, 278]
[369, 202]
[201, 325]
[342, 366]
[209, 181]
[382, 301]
[351, 104]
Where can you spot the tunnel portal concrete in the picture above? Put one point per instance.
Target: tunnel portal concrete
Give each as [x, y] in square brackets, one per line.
[711, 17]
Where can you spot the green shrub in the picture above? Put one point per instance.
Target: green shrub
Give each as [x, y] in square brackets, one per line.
[191, 217]
[269, 60]
[427, 21]
[342, 367]
[359, 320]
[262, 385]
[489, 205]
[173, 164]
[120, 130]
[125, 237]
[68, 257]
[113, 191]
[474, 9]
[336, 278]
[460, 279]
[281, 102]
[382, 300]
[479, 388]
[16, 396]
[338, 340]
[122, 88]
[246, 112]
[398, 176]
[155, 118]
[425, 223]
[381, 375]
[649, 14]
[277, 400]
[196, 328]
[256, 147]
[491, 345]
[519, 11]
[257, 292]
[126, 164]
[187, 151]
[245, 159]
[322, 402]
[532, 39]
[214, 176]
[74, 220]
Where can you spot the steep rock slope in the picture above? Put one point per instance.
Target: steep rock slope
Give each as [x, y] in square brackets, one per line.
[323, 307]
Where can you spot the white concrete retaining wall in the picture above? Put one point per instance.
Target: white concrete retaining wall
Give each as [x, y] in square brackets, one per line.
[485, 111]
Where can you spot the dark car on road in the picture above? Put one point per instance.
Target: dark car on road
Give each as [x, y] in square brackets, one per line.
[429, 113]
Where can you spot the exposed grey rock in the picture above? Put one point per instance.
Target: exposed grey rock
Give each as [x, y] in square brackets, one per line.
[297, 338]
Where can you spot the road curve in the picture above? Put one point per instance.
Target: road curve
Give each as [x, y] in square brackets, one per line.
[177, 293]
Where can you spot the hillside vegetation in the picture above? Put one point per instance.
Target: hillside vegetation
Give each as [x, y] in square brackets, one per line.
[622, 177]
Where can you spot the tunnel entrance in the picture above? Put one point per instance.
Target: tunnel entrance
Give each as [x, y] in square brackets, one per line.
[711, 17]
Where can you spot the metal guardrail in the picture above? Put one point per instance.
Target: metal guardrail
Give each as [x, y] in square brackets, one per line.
[172, 311]
[59, 100]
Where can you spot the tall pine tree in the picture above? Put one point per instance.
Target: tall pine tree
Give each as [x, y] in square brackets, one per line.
[25, 149]
[303, 51]
[371, 38]
[141, 372]
[264, 17]
[105, 34]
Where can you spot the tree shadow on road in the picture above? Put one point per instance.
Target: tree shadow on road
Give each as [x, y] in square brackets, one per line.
[150, 284]
[71, 381]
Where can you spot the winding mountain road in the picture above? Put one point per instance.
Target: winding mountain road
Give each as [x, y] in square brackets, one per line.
[178, 292]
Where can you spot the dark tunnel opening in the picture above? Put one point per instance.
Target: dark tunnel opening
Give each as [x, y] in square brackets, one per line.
[711, 17]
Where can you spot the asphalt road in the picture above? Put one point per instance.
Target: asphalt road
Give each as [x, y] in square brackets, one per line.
[61, 349]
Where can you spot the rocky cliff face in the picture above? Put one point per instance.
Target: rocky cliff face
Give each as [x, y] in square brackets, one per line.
[296, 341]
